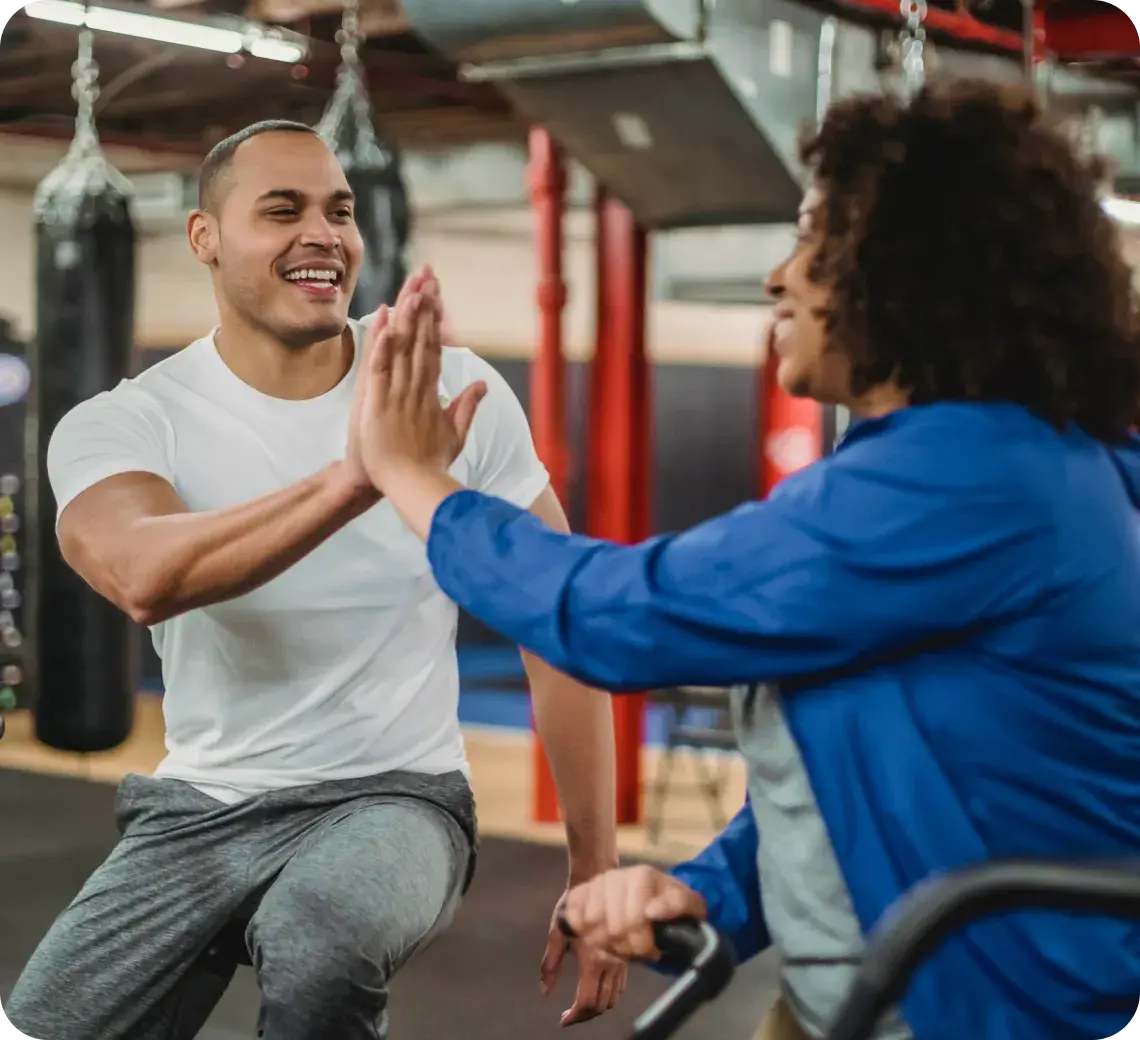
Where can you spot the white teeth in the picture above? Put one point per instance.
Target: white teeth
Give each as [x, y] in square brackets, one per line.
[311, 274]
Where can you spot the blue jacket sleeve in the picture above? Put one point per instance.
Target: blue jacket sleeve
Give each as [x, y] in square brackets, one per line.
[726, 875]
[860, 555]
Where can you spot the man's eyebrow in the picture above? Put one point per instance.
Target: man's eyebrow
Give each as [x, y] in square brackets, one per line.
[297, 197]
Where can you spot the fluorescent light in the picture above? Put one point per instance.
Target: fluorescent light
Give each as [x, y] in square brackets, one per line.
[1126, 211]
[56, 11]
[170, 30]
[164, 30]
[632, 131]
[274, 49]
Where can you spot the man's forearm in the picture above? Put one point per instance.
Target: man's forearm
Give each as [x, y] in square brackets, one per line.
[576, 727]
[190, 560]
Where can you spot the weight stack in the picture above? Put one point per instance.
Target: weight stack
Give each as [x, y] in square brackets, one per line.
[17, 571]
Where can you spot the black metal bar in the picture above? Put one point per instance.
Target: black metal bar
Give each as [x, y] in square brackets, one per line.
[935, 909]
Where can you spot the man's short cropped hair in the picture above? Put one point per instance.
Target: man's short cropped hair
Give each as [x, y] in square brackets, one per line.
[221, 155]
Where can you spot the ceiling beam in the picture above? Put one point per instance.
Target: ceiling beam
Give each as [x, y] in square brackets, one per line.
[53, 131]
[376, 17]
[957, 25]
[424, 129]
[383, 78]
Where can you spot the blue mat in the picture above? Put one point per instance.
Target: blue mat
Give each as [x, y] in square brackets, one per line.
[492, 692]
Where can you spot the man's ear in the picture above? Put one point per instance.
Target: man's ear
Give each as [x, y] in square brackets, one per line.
[202, 229]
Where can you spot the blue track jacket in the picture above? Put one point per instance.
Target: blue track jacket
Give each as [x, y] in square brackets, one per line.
[951, 605]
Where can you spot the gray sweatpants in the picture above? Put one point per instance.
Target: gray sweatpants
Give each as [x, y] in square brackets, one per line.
[336, 886]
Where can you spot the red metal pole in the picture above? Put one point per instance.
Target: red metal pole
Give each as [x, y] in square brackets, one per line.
[790, 430]
[618, 483]
[547, 176]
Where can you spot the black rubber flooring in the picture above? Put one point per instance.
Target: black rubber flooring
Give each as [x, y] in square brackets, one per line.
[477, 982]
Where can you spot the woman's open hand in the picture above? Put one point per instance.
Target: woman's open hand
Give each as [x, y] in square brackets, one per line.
[403, 424]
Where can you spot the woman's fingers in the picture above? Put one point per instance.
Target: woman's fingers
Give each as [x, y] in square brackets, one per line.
[610, 911]
[427, 356]
[403, 343]
[675, 899]
[629, 924]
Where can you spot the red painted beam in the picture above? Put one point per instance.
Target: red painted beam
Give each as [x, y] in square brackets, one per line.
[957, 25]
[618, 455]
[547, 176]
[1106, 33]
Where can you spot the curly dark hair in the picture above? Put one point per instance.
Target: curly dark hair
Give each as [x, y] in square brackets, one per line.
[970, 259]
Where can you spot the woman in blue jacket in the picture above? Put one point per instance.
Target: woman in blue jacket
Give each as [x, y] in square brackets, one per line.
[944, 614]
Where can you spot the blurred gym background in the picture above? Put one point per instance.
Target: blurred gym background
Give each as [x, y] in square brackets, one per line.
[602, 187]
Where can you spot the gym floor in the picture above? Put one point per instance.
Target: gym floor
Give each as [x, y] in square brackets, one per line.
[58, 826]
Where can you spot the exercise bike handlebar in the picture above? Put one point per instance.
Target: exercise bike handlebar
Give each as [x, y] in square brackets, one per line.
[707, 962]
[914, 928]
[939, 907]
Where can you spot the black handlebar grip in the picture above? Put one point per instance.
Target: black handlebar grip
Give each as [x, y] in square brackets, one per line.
[681, 942]
[707, 962]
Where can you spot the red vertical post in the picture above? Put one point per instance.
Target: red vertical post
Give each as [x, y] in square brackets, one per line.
[789, 432]
[618, 457]
[547, 175]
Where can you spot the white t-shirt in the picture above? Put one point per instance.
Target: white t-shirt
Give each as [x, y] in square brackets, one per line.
[343, 666]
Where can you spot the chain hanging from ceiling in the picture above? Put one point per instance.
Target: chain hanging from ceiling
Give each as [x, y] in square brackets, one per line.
[85, 90]
[350, 102]
[912, 44]
[372, 167]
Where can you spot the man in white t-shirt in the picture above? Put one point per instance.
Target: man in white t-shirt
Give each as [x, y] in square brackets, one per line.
[315, 792]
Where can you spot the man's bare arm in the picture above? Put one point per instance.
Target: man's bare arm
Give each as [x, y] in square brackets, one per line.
[132, 539]
[576, 726]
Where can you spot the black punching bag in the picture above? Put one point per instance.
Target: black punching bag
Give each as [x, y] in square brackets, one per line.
[85, 274]
[373, 172]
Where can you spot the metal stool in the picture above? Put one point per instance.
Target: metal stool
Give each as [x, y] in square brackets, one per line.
[682, 701]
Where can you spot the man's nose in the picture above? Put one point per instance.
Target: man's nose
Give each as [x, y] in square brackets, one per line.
[317, 231]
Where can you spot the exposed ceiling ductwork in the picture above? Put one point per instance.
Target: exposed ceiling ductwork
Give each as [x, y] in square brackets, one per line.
[690, 110]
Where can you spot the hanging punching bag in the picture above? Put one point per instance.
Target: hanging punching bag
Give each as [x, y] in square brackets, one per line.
[85, 271]
[373, 172]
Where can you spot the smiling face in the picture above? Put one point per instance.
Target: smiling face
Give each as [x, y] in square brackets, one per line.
[798, 335]
[281, 239]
